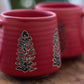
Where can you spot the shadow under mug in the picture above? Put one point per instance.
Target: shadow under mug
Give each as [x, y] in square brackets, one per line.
[69, 18]
[30, 44]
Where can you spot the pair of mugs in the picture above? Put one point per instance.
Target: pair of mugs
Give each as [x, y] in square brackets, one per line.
[31, 39]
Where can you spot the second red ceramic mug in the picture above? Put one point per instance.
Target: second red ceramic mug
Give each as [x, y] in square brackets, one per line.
[30, 44]
[69, 23]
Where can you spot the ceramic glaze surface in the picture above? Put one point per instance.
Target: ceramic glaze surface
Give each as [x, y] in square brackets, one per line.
[28, 43]
[69, 24]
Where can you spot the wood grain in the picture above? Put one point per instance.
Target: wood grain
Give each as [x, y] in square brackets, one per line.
[72, 72]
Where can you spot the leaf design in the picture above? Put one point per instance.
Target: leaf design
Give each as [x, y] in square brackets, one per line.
[56, 49]
[25, 53]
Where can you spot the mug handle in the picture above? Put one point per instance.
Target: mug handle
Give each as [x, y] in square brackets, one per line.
[0, 23]
[82, 28]
[0, 38]
[83, 13]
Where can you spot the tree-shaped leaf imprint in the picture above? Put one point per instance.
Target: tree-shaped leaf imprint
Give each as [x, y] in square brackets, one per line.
[57, 59]
[26, 53]
[62, 35]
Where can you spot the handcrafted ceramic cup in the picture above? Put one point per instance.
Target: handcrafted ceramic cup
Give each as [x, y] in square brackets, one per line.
[30, 44]
[69, 18]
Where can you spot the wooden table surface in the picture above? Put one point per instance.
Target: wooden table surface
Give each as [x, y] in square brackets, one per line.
[72, 72]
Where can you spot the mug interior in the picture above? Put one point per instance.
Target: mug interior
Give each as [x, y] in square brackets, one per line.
[28, 13]
[58, 5]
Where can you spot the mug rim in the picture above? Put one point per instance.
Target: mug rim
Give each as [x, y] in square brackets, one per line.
[44, 4]
[4, 14]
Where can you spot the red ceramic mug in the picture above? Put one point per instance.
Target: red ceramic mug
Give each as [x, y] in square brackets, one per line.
[69, 23]
[30, 44]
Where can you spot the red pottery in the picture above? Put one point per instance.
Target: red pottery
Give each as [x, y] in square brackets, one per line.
[69, 18]
[30, 45]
